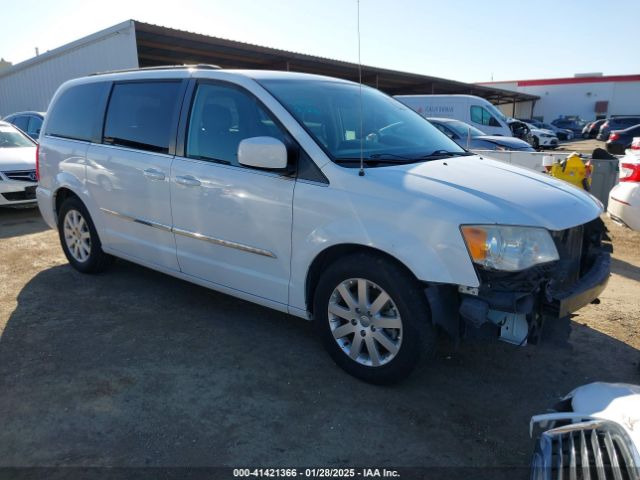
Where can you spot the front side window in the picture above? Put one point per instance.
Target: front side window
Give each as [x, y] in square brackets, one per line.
[77, 114]
[481, 116]
[142, 115]
[221, 117]
[345, 120]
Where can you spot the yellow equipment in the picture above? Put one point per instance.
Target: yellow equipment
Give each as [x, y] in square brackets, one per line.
[573, 170]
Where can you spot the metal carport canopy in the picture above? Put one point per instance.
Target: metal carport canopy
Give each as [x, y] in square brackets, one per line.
[159, 46]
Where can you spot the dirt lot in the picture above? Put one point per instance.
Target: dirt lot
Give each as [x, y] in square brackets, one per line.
[581, 145]
[135, 368]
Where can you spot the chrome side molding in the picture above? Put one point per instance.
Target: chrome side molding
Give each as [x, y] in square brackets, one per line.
[224, 243]
[190, 234]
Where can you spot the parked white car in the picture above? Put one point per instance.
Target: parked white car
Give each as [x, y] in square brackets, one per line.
[17, 167]
[624, 198]
[249, 182]
[542, 138]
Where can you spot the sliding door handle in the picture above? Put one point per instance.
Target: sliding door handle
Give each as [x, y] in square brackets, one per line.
[188, 181]
[153, 174]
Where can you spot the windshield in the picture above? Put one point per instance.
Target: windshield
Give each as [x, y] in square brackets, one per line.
[330, 112]
[12, 138]
[496, 112]
[464, 129]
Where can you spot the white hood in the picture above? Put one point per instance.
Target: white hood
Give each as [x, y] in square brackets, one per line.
[495, 192]
[17, 159]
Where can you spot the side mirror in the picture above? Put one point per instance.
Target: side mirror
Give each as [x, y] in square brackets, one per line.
[263, 152]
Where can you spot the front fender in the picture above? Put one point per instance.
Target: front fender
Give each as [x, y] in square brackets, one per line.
[430, 246]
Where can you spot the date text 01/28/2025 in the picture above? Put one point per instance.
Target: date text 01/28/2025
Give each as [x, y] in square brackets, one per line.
[315, 473]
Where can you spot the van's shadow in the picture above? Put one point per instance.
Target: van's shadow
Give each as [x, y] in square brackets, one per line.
[20, 221]
[134, 368]
[625, 269]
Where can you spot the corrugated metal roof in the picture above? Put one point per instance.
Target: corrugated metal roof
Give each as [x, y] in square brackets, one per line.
[158, 45]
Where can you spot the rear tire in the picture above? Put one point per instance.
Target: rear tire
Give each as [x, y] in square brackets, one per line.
[79, 239]
[373, 318]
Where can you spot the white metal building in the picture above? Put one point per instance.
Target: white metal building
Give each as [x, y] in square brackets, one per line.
[589, 96]
[31, 84]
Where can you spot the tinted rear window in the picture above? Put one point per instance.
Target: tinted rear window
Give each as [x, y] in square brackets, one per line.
[78, 113]
[142, 115]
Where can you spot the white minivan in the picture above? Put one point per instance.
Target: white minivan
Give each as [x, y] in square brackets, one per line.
[470, 109]
[249, 183]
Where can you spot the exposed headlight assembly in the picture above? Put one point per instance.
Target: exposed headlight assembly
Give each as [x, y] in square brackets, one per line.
[507, 248]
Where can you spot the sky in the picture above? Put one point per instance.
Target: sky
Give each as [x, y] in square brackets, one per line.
[471, 41]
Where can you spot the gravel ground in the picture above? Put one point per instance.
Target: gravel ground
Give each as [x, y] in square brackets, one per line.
[134, 368]
[581, 145]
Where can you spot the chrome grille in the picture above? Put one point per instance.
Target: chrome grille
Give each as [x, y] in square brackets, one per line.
[597, 449]
[21, 175]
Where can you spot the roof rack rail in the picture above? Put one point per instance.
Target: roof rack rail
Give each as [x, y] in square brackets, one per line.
[203, 66]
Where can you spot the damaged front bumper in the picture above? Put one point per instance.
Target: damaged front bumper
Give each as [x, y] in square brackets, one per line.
[584, 291]
[514, 306]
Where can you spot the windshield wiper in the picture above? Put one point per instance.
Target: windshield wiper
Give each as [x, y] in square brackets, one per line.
[436, 154]
[392, 155]
[376, 159]
[393, 159]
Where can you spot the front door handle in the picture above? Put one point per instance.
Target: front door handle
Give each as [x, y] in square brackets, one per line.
[188, 181]
[153, 174]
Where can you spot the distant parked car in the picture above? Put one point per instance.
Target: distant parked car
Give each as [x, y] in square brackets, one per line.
[620, 140]
[18, 179]
[470, 137]
[616, 123]
[624, 198]
[574, 125]
[542, 139]
[29, 122]
[561, 133]
[520, 130]
[594, 128]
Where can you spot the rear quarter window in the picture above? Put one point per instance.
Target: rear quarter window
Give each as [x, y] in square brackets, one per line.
[77, 114]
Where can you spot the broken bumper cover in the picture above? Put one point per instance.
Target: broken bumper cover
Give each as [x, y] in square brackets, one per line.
[585, 290]
[517, 314]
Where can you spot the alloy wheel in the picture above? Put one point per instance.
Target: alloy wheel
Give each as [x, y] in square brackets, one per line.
[77, 236]
[365, 322]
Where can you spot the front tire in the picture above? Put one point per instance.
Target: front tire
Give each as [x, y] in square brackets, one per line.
[536, 143]
[373, 318]
[79, 239]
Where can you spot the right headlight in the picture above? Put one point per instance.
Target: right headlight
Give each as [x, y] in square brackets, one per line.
[507, 248]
